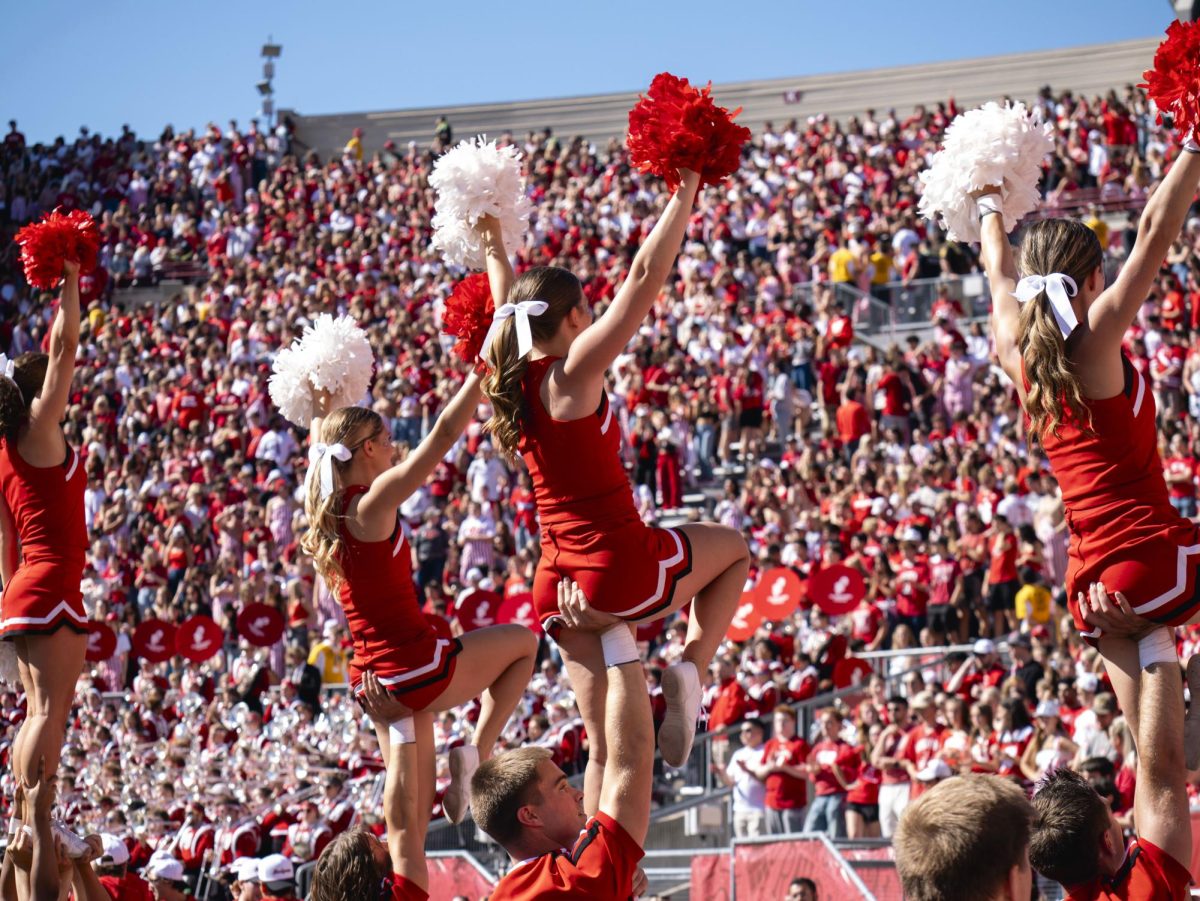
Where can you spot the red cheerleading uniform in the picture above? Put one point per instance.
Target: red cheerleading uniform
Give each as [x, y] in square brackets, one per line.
[1124, 531]
[590, 529]
[391, 637]
[46, 503]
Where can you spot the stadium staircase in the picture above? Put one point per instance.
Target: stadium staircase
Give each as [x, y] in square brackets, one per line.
[1092, 69]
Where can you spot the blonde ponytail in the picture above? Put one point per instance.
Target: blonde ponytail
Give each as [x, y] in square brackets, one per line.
[323, 540]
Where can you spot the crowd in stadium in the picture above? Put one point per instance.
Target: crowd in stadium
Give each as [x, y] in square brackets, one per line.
[909, 465]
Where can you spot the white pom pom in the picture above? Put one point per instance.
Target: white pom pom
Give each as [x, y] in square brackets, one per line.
[993, 145]
[332, 355]
[475, 179]
[10, 674]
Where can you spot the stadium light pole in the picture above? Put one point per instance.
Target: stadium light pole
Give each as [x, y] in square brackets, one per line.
[270, 52]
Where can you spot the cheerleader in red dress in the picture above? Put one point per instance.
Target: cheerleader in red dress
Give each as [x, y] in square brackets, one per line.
[548, 363]
[43, 537]
[1058, 333]
[356, 484]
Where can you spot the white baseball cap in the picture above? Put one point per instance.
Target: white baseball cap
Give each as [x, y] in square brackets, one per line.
[115, 853]
[984, 646]
[275, 870]
[245, 869]
[167, 868]
[1048, 707]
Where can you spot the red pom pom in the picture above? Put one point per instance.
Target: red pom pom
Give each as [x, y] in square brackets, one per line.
[677, 126]
[468, 314]
[46, 245]
[1174, 82]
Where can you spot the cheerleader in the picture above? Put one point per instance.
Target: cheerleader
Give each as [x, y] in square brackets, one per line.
[43, 538]
[356, 484]
[1058, 333]
[548, 362]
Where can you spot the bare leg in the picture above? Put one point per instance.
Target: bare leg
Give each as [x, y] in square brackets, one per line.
[720, 561]
[55, 662]
[495, 665]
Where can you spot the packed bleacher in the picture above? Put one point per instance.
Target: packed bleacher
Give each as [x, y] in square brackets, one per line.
[745, 399]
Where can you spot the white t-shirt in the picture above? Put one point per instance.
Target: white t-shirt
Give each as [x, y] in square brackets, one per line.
[749, 792]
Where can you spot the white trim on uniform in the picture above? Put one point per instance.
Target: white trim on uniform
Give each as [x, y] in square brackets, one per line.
[63, 607]
[607, 421]
[399, 543]
[1181, 568]
[74, 464]
[441, 646]
[663, 566]
[1141, 394]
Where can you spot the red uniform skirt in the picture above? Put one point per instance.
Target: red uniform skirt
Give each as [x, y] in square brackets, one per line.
[1154, 564]
[42, 597]
[416, 673]
[630, 571]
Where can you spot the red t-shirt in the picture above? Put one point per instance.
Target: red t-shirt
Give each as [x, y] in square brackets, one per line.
[404, 889]
[1180, 473]
[1148, 874]
[1003, 549]
[828, 754]
[130, 887]
[600, 866]
[785, 792]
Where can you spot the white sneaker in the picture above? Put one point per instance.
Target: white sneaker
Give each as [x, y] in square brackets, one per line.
[72, 843]
[681, 691]
[464, 761]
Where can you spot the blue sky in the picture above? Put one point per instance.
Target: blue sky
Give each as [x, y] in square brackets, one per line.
[149, 62]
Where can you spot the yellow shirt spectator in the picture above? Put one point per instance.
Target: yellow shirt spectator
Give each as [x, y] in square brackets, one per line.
[841, 265]
[1033, 604]
[331, 661]
[881, 261]
[1100, 227]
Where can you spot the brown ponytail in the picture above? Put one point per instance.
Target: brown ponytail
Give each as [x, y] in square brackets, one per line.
[17, 394]
[502, 385]
[1070, 247]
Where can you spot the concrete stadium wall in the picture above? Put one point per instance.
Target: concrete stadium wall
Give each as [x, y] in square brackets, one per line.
[1090, 69]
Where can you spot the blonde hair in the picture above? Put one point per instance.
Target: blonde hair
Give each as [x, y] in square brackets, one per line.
[346, 869]
[502, 786]
[1070, 247]
[561, 290]
[962, 838]
[350, 426]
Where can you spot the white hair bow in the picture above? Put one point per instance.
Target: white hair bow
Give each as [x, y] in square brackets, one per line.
[1056, 286]
[522, 311]
[7, 368]
[320, 459]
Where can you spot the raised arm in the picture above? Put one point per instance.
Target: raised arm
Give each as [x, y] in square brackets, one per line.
[377, 509]
[997, 257]
[48, 408]
[591, 355]
[499, 269]
[1151, 697]
[1114, 310]
[628, 723]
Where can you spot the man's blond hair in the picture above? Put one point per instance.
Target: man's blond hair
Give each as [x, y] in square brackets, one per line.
[961, 839]
[502, 786]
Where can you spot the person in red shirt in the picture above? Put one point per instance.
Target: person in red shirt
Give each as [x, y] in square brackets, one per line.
[1180, 470]
[1078, 842]
[558, 851]
[727, 704]
[923, 741]
[112, 868]
[1002, 578]
[782, 771]
[912, 587]
[853, 422]
[832, 765]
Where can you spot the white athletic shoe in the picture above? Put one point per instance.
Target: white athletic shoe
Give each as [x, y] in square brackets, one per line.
[464, 761]
[681, 691]
[72, 843]
[1191, 724]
